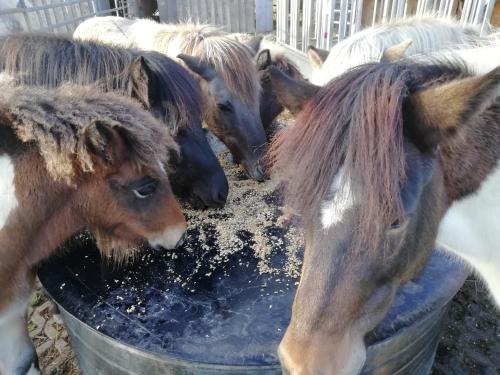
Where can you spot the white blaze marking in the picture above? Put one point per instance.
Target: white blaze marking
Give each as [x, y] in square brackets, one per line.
[169, 238]
[33, 370]
[334, 209]
[8, 201]
[471, 229]
[162, 168]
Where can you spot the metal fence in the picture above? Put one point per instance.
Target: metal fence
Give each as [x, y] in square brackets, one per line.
[58, 16]
[323, 23]
[242, 16]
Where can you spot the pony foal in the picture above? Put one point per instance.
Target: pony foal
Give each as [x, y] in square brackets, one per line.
[74, 159]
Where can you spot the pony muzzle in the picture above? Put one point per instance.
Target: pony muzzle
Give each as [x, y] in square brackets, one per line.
[254, 170]
[323, 356]
[171, 238]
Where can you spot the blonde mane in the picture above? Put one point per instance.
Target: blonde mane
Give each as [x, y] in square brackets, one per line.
[55, 121]
[231, 59]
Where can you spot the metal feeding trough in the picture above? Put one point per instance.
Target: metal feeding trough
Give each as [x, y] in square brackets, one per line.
[169, 313]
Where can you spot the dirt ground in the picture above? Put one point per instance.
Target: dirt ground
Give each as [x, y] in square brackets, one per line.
[470, 344]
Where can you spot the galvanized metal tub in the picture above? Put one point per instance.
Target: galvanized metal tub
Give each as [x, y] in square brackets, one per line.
[140, 320]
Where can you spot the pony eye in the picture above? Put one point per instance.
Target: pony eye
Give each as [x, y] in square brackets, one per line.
[145, 190]
[224, 107]
[396, 224]
[400, 223]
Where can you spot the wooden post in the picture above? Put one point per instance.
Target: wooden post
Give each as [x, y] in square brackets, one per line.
[167, 10]
[263, 15]
[251, 14]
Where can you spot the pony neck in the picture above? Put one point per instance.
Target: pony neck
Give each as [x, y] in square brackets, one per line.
[43, 219]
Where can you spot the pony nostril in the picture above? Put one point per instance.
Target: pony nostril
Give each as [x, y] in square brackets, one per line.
[259, 173]
[222, 197]
[181, 240]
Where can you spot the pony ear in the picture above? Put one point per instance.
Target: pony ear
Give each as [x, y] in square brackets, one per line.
[105, 143]
[291, 93]
[254, 44]
[196, 65]
[317, 56]
[263, 59]
[145, 84]
[396, 52]
[438, 111]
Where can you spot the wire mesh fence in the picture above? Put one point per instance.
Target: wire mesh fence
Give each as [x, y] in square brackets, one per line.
[58, 16]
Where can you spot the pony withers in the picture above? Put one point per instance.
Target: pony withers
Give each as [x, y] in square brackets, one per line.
[74, 159]
[384, 162]
[223, 66]
[160, 84]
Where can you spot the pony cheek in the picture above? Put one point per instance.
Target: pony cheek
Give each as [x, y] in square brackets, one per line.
[376, 308]
[129, 233]
[234, 148]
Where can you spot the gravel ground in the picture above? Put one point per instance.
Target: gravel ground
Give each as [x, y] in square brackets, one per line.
[470, 344]
[49, 335]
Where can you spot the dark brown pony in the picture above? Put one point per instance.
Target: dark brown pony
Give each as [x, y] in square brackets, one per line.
[163, 87]
[74, 159]
[270, 107]
[383, 162]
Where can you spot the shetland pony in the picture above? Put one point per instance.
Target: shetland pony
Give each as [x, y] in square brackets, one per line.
[383, 162]
[74, 159]
[160, 84]
[270, 107]
[224, 67]
[428, 34]
[268, 53]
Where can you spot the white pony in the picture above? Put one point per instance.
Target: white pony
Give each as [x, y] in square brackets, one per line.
[427, 34]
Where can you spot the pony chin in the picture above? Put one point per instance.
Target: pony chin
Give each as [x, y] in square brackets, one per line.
[344, 355]
[116, 250]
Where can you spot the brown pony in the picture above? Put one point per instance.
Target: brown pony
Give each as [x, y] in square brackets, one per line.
[161, 85]
[74, 159]
[383, 162]
[270, 107]
[268, 53]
